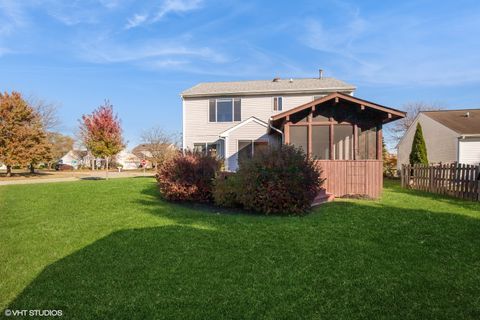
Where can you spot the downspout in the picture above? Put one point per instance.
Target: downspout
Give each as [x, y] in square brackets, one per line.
[276, 129]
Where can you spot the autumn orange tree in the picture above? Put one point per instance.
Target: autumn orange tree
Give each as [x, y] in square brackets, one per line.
[23, 139]
[101, 133]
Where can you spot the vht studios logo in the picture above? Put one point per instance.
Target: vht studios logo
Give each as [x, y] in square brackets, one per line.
[33, 313]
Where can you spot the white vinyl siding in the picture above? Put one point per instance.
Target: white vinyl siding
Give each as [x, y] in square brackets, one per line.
[469, 151]
[198, 129]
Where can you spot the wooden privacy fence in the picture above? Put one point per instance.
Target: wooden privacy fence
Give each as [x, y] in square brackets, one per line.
[457, 180]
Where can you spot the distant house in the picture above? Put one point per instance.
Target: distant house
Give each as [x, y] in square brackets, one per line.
[450, 136]
[144, 151]
[128, 160]
[74, 158]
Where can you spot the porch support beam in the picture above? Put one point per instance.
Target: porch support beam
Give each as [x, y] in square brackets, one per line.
[309, 134]
[331, 142]
[379, 142]
[287, 133]
[355, 142]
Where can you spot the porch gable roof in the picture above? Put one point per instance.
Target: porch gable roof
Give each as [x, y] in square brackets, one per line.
[241, 124]
[392, 114]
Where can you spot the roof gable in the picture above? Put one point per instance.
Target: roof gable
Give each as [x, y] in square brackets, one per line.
[241, 124]
[392, 114]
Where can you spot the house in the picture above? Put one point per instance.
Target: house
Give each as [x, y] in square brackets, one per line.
[128, 160]
[74, 158]
[151, 152]
[450, 136]
[233, 120]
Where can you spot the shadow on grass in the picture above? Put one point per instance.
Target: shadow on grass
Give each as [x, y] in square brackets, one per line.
[354, 260]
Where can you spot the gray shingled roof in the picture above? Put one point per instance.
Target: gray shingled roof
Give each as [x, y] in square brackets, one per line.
[457, 120]
[267, 86]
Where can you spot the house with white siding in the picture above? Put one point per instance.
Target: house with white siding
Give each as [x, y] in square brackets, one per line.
[233, 120]
[450, 136]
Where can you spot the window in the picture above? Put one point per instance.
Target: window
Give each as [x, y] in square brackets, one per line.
[321, 142]
[343, 142]
[206, 148]
[247, 148]
[298, 137]
[277, 103]
[199, 147]
[225, 110]
[367, 143]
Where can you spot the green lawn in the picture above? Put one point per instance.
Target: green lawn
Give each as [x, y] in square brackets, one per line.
[113, 249]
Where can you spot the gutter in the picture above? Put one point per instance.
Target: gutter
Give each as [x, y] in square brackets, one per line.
[463, 136]
[276, 129]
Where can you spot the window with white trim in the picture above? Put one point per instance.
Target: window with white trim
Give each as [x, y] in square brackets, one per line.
[225, 110]
[207, 148]
[277, 103]
[247, 148]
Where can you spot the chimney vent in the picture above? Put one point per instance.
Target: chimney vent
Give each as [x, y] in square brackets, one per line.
[291, 80]
[320, 74]
[467, 114]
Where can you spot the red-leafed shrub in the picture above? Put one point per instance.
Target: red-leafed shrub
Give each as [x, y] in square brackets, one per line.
[278, 181]
[188, 177]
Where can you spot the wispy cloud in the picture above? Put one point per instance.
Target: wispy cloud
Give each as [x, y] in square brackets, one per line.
[167, 7]
[410, 53]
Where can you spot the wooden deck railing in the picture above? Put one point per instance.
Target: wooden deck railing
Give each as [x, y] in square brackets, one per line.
[457, 180]
[352, 177]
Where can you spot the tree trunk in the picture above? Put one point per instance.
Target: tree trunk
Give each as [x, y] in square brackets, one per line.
[106, 168]
[9, 170]
[32, 168]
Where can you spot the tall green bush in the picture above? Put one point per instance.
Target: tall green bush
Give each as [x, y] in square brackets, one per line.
[418, 154]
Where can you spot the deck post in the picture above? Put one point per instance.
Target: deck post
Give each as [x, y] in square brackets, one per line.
[331, 142]
[379, 142]
[287, 133]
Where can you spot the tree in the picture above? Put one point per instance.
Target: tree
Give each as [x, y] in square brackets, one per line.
[399, 127]
[23, 139]
[419, 149]
[101, 133]
[60, 145]
[47, 111]
[158, 146]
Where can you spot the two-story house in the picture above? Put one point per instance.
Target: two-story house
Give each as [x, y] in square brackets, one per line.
[235, 119]
[230, 119]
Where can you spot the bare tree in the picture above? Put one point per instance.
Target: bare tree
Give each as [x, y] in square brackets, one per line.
[399, 127]
[48, 112]
[158, 145]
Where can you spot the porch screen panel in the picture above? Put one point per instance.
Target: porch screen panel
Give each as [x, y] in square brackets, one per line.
[367, 144]
[321, 142]
[343, 142]
[299, 136]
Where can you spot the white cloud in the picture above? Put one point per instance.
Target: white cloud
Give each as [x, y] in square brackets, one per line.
[167, 7]
[136, 20]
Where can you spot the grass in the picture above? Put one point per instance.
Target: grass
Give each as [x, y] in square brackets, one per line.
[114, 249]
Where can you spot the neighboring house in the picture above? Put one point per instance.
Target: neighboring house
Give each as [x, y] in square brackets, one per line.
[144, 151]
[128, 160]
[450, 136]
[74, 158]
[233, 120]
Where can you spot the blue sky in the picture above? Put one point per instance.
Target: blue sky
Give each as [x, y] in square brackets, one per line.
[142, 54]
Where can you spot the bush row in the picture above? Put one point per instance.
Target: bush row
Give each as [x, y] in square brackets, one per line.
[276, 181]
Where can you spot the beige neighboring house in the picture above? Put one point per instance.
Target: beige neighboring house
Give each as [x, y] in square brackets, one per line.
[128, 160]
[74, 158]
[450, 136]
[231, 119]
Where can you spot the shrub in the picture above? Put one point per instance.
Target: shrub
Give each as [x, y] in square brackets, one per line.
[278, 181]
[226, 189]
[188, 177]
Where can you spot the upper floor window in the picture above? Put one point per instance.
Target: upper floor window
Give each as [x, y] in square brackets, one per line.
[277, 103]
[225, 110]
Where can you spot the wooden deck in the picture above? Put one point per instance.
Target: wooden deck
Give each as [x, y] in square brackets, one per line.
[352, 177]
